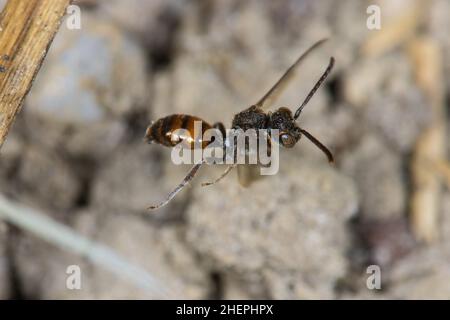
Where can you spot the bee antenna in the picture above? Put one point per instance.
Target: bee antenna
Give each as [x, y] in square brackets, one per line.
[311, 93]
[319, 145]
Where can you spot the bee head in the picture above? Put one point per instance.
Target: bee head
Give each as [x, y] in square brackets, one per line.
[289, 132]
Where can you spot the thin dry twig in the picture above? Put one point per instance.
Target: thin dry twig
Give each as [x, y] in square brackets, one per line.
[65, 238]
[27, 28]
[430, 147]
[443, 167]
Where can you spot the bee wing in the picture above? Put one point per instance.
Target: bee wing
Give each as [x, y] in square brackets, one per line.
[281, 84]
[247, 173]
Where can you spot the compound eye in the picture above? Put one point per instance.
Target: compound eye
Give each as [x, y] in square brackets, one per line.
[287, 140]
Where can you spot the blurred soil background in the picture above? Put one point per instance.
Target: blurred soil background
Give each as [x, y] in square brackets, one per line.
[76, 152]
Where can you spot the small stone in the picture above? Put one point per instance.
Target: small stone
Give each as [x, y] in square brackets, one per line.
[91, 79]
[156, 23]
[129, 180]
[387, 240]
[399, 117]
[42, 269]
[362, 81]
[46, 180]
[243, 287]
[378, 172]
[160, 252]
[421, 275]
[296, 285]
[274, 224]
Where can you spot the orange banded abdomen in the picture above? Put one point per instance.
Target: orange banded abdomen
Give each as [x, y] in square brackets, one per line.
[165, 131]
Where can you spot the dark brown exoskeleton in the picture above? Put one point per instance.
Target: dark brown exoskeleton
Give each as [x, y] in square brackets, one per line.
[164, 131]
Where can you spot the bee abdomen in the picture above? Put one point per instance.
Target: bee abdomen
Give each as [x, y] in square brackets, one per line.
[163, 131]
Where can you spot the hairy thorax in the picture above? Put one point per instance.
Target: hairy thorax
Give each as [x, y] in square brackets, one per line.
[251, 118]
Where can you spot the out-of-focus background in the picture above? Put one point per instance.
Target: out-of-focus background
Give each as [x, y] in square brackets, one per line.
[76, 153]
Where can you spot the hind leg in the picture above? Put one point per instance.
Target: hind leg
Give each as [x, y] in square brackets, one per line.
[223, 175]
[190, 175]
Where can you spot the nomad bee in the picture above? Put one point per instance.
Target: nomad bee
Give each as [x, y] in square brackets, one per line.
[163, 131]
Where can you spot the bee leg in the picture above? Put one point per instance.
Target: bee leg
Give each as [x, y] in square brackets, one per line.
[190, 175]
[223, 175]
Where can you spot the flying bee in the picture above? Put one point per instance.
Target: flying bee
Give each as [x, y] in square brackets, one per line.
[164, 131]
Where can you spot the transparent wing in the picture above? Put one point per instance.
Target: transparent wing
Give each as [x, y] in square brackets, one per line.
[247, 173]
[274, 92]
